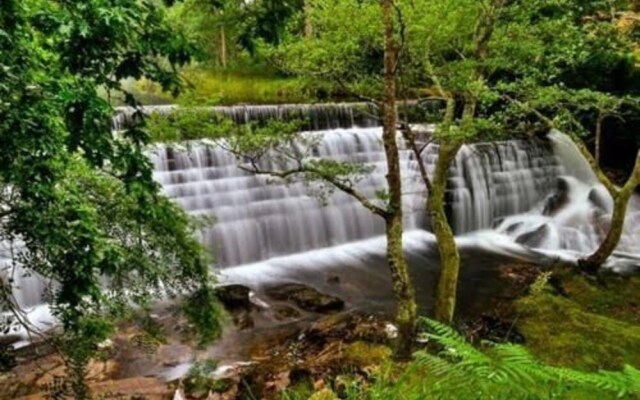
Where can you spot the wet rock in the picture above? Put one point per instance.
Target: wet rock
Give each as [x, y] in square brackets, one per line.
[513, 227]
[173, 355]
[600, 198]
[333, 279]
[147, 388]
[234, 297]
[558, 200]
[284, 312]
[243, 320]
[305, 297]
[534, 238]
[7, 356]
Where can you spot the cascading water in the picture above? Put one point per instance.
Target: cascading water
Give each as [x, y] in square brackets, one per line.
[517, 199]
[258, 218]
[318, 116]
[575, 219]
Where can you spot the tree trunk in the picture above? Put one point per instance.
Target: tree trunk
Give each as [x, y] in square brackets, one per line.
[406, 312]
[621, 201]
[223, 48]
[447, 247]
[598, 135]
[308, 26]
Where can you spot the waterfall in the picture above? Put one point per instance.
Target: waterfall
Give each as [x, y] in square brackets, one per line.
[575, 217]
[258, 218]
[317, 116]
[522, 199]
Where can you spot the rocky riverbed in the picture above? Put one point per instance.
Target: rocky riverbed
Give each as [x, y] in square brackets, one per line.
[285, 335]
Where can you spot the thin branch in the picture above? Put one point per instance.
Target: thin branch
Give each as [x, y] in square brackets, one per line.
[359, 96]
[602, 177]
[410, 138]
[302, 169]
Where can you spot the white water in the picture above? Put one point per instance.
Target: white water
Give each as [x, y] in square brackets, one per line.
[499, 198]
[258, 218]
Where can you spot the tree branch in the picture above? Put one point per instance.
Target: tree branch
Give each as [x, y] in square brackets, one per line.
[303, 169]
[602, 177]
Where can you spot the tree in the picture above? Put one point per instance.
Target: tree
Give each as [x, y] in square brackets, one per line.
[279, 151]
[574, 104]
[335, 52]
[429, 36]
[456, 68]
[81, 201]
[214, 25]
[406, 314]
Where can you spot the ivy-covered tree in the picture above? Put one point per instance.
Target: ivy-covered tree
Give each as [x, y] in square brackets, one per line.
[78, 199]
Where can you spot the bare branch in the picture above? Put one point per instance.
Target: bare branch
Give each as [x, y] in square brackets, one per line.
[602, 177]
[305, 169]
[410, 138]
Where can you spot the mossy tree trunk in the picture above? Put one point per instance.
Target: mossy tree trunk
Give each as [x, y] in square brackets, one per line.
[308, 26]
[223, 47]
[403, 289]
[621, 199]
[598, 134]
[447, 247]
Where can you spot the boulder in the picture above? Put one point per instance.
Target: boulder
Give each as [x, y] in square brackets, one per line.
[513, 227]
[333, 279]
[559, 199]
[599, 197]
[305, 297]
[534, 238]
[234, 297]
[284, 312]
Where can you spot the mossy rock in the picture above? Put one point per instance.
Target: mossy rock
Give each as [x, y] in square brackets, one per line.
[362, 354]
[569, 332]
[325, 394]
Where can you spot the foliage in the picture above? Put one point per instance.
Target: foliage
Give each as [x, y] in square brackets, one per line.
[244, 24]
[198, 378]
[509, 371]
[454, 369]
[80, 200]
[202, 308]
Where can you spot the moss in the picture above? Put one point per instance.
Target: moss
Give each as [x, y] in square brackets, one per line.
[326, 394]
[592, 327]
[301, 390]
[615, 297]
[362, 354]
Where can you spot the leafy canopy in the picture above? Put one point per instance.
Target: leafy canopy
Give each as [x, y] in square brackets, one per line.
[79, 202]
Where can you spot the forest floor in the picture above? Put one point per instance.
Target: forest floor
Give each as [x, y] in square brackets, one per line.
[563, 319]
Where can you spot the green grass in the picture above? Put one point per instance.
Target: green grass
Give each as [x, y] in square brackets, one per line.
[209, 87]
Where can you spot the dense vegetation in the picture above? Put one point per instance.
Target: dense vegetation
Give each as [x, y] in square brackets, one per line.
[79, 206]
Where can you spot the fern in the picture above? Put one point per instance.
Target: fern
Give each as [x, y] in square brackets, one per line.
[505, 371]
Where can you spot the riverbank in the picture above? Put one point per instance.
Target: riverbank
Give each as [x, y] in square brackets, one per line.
[562, 319]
